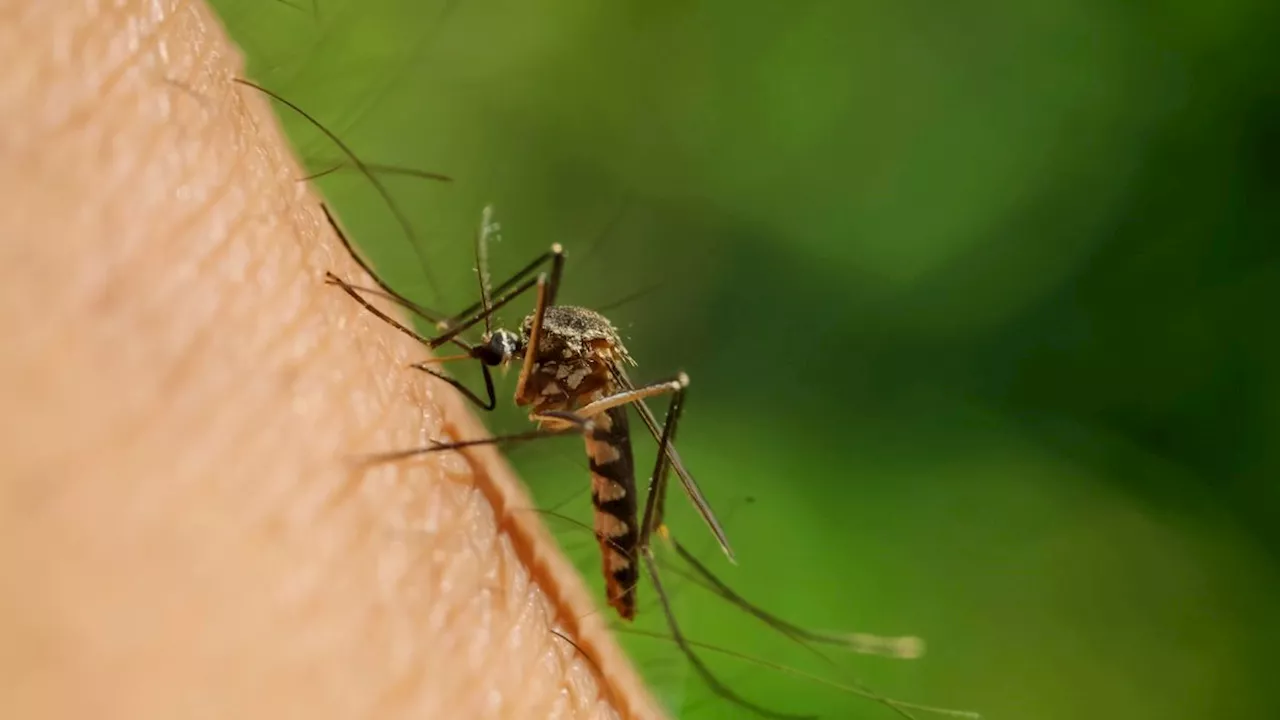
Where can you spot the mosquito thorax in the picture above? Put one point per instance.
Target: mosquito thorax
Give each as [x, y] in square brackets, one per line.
[575, 333]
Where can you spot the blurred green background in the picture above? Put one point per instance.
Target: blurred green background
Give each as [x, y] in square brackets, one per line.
[978, 301]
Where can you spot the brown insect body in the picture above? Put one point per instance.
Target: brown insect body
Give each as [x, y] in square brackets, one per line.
[577, 362]
[578, 358]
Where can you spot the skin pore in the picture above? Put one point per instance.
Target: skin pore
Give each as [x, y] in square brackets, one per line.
[182, 529]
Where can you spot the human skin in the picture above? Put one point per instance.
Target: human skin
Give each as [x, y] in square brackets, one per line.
[183, 531]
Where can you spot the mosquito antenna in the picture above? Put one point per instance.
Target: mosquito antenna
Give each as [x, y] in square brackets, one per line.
[488, 228]
[360, 164]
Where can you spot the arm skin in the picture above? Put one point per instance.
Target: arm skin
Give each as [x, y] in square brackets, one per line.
[182, 533]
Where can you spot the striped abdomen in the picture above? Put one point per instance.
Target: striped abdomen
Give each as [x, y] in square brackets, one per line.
[613, 492]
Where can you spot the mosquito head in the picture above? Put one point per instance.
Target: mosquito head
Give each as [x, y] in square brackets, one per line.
[501, 347]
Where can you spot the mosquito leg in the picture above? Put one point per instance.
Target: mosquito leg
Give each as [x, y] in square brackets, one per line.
[457, 324]
[652, 519]
[515, 286]
[535, 339]
[355, 160]
[480, 311]
[706, 579]
[557, 269]
[656, 496]
[573, 429]
[674, 385]
[348, 289]
[487, 308]
[417, 309]
[555, 256]
[713, 682]
[488, 405]
[687, 482]
[379, 293]
[352, 290]
[799, 635]
[472, 315]
[703, 576]
[462, 322]
[336, 165]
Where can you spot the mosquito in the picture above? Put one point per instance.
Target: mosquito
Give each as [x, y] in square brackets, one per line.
[573, 376]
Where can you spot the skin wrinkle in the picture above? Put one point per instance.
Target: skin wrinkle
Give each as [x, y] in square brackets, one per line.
[195, 342]
[275, 343]
[102, 85]
[142, 38]
[202, 341]
[176, 275]
[217, 191]
[180, 534]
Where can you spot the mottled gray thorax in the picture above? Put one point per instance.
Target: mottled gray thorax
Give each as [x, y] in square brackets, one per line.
[577, 354]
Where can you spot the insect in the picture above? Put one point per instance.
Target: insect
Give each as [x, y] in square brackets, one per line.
[573, 377]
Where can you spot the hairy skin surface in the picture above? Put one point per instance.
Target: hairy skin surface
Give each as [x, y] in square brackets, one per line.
[181, 531]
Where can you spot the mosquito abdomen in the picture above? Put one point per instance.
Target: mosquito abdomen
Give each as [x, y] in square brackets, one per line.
[613, 492]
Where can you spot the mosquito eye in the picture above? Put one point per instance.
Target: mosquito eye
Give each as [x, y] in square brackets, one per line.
[501, 347]
[488, 354]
